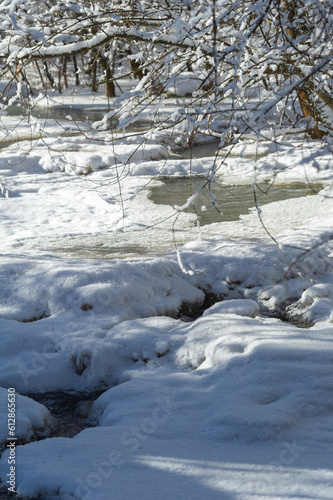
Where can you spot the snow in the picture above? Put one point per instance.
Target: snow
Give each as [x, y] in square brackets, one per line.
[236, 404]
[31, 417]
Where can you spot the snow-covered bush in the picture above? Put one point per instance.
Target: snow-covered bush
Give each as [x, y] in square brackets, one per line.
[250, 61]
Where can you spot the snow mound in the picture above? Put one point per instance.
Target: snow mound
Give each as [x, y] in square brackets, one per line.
[241, 307]
[315, 304]
[81, 162]
[31, 417]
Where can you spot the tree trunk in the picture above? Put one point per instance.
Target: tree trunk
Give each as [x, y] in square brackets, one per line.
[309, 111]
[64, 71]
[110, 89]
[76, 69]
[49, 75]
[305, 93]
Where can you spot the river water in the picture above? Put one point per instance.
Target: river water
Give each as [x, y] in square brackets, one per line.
[232, 201]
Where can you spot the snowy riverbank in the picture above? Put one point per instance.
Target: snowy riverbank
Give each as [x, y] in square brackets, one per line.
[236, 404]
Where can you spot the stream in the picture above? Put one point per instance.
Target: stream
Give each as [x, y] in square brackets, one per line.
[71, 410]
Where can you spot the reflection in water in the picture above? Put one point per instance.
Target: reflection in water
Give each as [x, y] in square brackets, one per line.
[74, 119]
[232, 201]
[205, 150]
[61, 112]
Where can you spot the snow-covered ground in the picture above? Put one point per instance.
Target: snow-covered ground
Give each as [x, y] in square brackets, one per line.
[236, 404]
